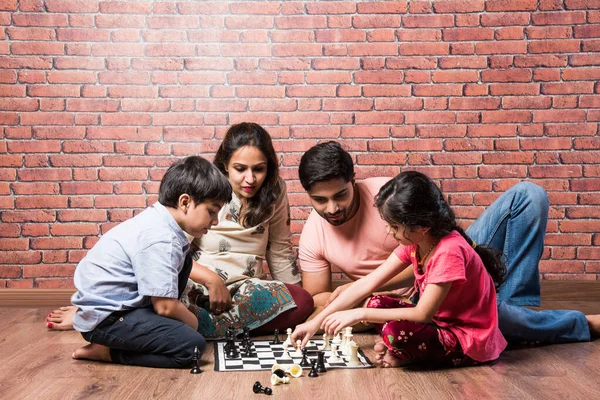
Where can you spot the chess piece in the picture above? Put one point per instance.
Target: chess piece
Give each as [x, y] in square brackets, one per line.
[321, 362]
[288, 340]
[304, 362]
[276, 337]
[258, 388]
[278, 380]
[233, 351]
[326, 345]
[285, 355]
[313, 371]
[354, 361]
[298, 351]
[195, 361]
[276, 369]
[294, 370]
[334, 358]
[348, 338]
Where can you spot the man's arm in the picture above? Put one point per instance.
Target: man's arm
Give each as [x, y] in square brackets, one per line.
[318, 284]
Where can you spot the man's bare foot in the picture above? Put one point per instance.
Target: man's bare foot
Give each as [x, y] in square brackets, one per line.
[94, 352]
[385, 358]
[61, 319]
[594, 324]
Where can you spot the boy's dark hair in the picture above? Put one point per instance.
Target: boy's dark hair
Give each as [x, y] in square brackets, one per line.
[260, 206]
[324, 162]
[412, 199]
[197, 177]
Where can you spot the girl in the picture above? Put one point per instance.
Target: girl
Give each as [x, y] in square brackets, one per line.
[227, 288]
[230, 289]
[455, 321]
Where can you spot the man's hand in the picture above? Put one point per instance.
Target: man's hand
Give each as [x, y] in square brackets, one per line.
[218, 295]
[337, 292]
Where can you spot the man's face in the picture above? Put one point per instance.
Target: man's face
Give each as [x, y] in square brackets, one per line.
[333, 200]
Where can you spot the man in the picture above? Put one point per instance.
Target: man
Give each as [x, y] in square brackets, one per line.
[345, 230]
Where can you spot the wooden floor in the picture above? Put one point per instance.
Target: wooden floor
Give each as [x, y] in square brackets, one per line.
[36, 364]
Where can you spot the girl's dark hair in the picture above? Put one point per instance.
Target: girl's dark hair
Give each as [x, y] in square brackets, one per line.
[198, 178]
[323, 162]
[413, 200]
[261, 205]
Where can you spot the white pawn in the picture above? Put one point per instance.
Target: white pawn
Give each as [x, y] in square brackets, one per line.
[298, 352]
[285, 355]
[326, 345]
[334, 358]
[288, 340]
[354, 361]
[276, 380]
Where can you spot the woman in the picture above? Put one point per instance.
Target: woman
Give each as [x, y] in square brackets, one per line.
[230, 290]
[227, 287]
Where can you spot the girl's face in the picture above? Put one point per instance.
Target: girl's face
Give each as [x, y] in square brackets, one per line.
[406, 236]
[247, 170]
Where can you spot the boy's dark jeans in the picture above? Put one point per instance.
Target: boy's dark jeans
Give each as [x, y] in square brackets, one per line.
[142, 337]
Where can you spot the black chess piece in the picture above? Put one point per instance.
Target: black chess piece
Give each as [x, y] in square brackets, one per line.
[276, 337]
[280, 373]
[233, 352]
[305, 361]
[321, 362]
[195, 361]
[258, 388]
[313, 371]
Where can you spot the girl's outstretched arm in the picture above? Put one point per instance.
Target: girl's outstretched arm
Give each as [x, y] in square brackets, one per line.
[351, 296]
[423, 312]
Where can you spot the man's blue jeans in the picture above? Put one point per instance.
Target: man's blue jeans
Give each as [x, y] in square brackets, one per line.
[515, 224]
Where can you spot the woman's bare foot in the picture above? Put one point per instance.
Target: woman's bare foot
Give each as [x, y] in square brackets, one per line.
[594, 324]
[385, 358]
[61, 319]
[94, 352]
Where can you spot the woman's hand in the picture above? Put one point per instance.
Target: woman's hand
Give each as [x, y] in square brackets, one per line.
[335, 322]
[304, 332]
[218, 295]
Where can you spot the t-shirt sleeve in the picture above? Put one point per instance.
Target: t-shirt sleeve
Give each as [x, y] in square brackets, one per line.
[154, 271]
[310, 251]
[448, 265]
[403, 253]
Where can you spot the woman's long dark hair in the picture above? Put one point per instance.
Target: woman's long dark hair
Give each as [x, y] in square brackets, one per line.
[413, 200]
[261, 205]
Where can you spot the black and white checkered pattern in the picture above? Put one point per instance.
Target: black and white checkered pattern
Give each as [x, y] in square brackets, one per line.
[265, 355]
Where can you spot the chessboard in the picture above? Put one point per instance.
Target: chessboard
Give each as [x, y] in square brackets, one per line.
[266, 354]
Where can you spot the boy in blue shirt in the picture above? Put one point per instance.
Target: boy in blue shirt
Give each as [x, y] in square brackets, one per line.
[129, 283]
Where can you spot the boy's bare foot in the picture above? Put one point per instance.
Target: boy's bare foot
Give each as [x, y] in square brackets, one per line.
[385, 358]
[94, 352]
[594, 324]
[61, 319]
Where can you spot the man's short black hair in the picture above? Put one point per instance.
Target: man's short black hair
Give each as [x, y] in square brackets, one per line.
[324, 162]
[197, 177]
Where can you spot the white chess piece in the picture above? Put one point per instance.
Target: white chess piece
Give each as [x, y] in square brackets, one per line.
[326, 345]
[334, 358]
[354, 361]
[276, 380]
[285, 355]
[348, 339]
[298, 352]
[288, 340]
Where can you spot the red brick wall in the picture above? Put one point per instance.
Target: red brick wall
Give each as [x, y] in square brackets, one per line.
[99, 97]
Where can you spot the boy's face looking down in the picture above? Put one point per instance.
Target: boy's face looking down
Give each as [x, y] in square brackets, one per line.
[198, 218]
[334, 200]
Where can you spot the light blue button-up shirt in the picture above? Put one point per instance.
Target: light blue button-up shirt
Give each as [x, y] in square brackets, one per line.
[134, 261]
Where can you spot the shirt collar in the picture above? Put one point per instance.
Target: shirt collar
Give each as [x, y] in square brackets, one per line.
[180, 235]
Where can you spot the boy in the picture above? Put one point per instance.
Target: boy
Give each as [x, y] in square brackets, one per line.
[129, 283]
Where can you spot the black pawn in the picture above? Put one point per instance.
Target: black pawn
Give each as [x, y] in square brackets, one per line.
[195, 361]
[305, 362]
[313, 371]
[276, 338]
[321, 362]
[258, 388]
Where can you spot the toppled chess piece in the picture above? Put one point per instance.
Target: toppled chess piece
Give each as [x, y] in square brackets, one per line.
[258, 388]
[278, 380]
[195, 361]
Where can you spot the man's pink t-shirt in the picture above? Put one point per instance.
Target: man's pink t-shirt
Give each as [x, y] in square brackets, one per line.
[357, 247]
[469, 310]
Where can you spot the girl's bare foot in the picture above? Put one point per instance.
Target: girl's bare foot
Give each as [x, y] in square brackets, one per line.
[61, 319]
[385, 358]
[94, 352]
[594, 324]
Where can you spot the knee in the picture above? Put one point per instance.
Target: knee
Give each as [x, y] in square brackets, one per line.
[189, 344]
[533, 196]
[304, 301]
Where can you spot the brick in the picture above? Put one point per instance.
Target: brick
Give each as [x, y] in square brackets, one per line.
[581, 74]
[578, 60]
[392, 118]
[412, 63]
[468, 144]
[474, 104]
[301, 22]
[10, 230]
[468, 34]
[509, 33]
[14, 244]
[505, 47]
[551, 60]
[506, 116]
[74, 229]
[552, 32]
[559, 18]
[510, 5]
[475, 62]
[554, 46]
[568, 88]
[424, 48]
[35, 230]
[437, 90]
[515, 89]
[526, 102]
[506, 19]
[39, 19]
[454, 6]
[17, 257]
[443, 131]
[412, 145]
[558, 116]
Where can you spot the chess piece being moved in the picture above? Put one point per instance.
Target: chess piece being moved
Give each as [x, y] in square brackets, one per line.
[258, 388]
[196, 361]
[298, 351]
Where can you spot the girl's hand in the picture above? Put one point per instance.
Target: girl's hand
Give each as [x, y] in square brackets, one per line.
[335, 322]
[304, 332]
